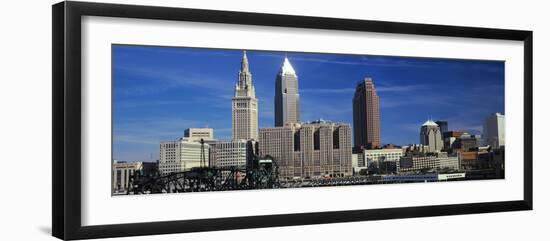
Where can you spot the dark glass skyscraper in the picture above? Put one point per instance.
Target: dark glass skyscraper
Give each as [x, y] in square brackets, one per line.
[443, 125]
[366, 116]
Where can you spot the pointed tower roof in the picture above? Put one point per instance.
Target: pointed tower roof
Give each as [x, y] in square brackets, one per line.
[430, 123]
[287, 67]
[244, 63]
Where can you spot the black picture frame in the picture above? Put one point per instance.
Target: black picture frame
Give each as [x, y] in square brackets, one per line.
[66, 128]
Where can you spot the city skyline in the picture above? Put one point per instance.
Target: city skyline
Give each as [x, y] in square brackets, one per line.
[160, 91]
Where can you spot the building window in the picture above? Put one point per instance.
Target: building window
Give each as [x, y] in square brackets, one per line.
[118, 177]
[336, 139]
[316, 140]
[297, 141]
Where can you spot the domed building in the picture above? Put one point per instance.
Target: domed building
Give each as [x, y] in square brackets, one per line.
[430, 136]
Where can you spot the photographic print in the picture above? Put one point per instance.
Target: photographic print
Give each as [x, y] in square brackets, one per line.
[201, 119]
[172, 107]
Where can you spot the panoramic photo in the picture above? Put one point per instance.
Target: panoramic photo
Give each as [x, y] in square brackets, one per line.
[202, 119]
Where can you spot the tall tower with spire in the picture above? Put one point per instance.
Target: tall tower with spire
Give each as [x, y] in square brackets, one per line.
[287, 99]
[244, 105]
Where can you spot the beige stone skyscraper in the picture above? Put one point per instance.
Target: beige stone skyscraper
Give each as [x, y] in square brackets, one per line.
[366, 116]
[244, 105]
[287, 99]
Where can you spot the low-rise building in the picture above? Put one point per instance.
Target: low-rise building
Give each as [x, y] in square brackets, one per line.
[199, 133]
[449, 163]
[182, 155]
[234, 153]
[358, 164]
[415, 149]
[468, 142]
[468, 159]
[122, 173]
[372, 155]
[484, 157]
[431, 162]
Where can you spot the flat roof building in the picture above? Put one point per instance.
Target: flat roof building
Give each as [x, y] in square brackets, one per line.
[182, 155]
[123, 172]
[310, 150]
[374, 155]
[199, 133]
[418, 163]
[235, 153]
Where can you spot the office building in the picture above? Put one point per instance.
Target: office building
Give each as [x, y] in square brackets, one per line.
[494, 130]
[227, 154]
[287, 97]
[455, 134]
[366, 116]
[244, 106]
[382, 155]
[443, 125]
[310, 150]
[122, 174]
[468, 159]
[467, 142]
[199, 133]
[415, 149]
[449, 163]
[430, 136]
[182, 155]
[483, 157]
[418, 163]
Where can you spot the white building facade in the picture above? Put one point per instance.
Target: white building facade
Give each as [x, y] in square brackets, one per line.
[122, 173]
[182, 155]
[409, 163]
[226, 154]
[450, 162]
[199, 133]
[373, 155]
[493, 130]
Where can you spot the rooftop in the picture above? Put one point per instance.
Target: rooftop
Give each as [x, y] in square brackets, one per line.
[287, 67]
[430, 123]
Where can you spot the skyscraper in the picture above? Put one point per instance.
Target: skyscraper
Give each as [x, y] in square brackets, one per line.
[366, 116]
[430, 136]
[443, 125]
[244, 105]
[493, 130]
[287, 99]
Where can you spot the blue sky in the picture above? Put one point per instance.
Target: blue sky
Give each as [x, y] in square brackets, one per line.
[158, 92]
